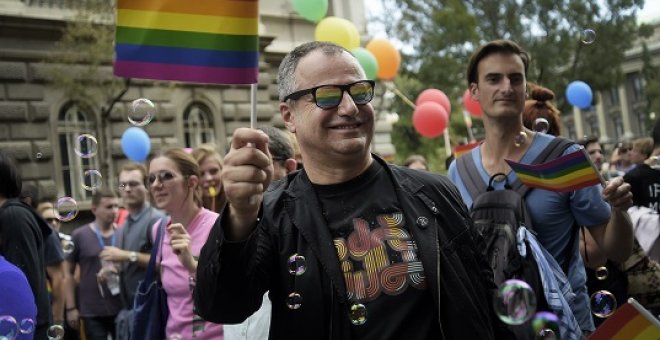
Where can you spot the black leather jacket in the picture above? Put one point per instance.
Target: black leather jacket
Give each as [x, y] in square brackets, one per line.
[232, 276]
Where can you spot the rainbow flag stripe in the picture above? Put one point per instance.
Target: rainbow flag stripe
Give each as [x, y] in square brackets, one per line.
[564, 174]
[629, 322]
[203, 41]
[460, 150]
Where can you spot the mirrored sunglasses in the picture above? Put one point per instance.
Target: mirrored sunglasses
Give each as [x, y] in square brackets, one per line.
[330, 96]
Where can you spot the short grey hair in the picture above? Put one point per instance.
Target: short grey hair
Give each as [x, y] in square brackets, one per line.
[285, 75]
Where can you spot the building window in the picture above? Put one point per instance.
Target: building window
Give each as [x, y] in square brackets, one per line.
[197, 125]
[637, 86]
[614, 96]
[593, 126]
[617, 121]
[74, 121]
[570, 131]
[641, 121]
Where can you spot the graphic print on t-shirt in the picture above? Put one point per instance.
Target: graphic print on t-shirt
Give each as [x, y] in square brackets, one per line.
[382, 260]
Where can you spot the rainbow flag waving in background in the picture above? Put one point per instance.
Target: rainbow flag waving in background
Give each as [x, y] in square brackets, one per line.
[564, 174]
[203, 41]
[630, 322]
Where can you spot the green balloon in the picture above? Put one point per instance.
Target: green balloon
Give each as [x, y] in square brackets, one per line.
[367, 61]
[312, 10]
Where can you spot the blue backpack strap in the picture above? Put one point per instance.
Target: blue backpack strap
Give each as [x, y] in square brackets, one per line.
[470, 176]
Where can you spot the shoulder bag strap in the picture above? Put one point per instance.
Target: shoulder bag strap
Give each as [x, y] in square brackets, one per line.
[469, 173]
[151, 268]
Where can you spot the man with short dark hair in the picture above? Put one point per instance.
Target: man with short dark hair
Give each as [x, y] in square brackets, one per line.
[594, 150]
[350, 247]
[497, 79]
[98, 291]
[133, 249]
[22, 239]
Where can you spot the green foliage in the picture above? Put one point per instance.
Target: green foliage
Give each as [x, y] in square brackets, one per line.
[651, 76]
[441, 35]
[79, 63]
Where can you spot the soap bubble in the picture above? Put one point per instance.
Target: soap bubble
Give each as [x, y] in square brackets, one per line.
[541, 125]
[142, 112]
[297, 265]
[601, 273]
[92, 180]
[294, 301]
[27, 326]
[85, 146]
[66, 208]
[55, 332]
[8, 327]
[515, 302]
[603, 304]
[588, 36]
[358, 314]
[545, 325]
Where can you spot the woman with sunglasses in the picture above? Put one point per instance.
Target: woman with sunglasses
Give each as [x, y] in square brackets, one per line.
[174, 185]
[210, 168]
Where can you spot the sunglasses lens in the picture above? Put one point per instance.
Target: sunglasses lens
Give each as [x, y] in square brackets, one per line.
[165, 176]
[362, 93]
[328, 96]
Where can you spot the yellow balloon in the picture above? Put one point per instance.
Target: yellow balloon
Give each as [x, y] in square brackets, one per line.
[339, 31]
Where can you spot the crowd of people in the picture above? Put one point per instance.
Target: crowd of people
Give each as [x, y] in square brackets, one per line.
[255, 245]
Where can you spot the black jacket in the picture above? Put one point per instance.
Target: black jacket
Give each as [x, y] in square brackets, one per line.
[22, 240]
[232, 276]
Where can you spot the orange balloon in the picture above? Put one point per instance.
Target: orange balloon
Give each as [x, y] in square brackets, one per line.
[388, 57]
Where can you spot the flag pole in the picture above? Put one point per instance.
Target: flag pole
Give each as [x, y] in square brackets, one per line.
[253, 106]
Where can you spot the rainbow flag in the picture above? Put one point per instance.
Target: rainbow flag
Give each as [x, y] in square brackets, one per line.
[630, 322]
[564, 174]
[460, 150]
[201, 41]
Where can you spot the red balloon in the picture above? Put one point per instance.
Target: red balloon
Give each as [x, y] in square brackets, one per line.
[436, 96]
[472, 106]
[430, 119]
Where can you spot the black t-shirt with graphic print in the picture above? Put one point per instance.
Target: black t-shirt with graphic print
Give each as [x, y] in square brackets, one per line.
[378, 256]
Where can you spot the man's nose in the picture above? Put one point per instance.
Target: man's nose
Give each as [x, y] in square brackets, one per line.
[347, 106]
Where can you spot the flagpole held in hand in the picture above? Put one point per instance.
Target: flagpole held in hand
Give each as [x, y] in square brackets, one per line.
[253, 106]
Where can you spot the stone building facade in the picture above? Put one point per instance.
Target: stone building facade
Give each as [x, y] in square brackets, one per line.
[39, 124]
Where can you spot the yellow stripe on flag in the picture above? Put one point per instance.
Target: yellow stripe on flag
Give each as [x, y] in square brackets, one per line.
[559, 180]
[187, 22]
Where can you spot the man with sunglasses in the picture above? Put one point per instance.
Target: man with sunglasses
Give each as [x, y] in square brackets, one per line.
[350, 246]
[134, 244]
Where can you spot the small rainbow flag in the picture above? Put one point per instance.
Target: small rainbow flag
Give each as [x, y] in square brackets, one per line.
[202, 41]
[460, 150]
[630, 322]
[564, 174]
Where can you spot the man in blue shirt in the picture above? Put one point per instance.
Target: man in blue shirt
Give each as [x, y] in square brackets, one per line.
[497, 75]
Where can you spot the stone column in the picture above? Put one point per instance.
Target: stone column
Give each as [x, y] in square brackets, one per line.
[600, 113]
[625, 113]
[577, 120]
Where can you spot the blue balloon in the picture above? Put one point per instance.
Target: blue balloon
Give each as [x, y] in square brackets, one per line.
[135, 144]
[579, 94]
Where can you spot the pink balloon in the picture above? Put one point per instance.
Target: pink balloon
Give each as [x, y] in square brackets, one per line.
[472, 106]
[436, 96]
[430, 119]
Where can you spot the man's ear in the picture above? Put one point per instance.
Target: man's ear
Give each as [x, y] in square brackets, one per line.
[474, 91]
[290, 165]
[287, 117]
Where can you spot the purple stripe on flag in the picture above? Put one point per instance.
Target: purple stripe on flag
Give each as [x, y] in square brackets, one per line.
[562, 162]
[197, 74]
